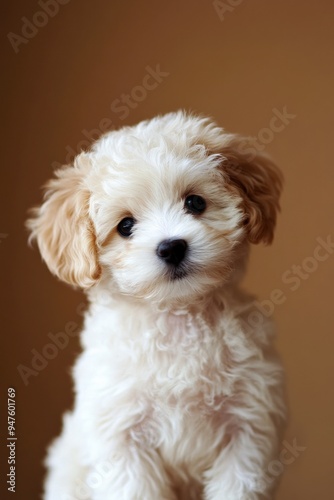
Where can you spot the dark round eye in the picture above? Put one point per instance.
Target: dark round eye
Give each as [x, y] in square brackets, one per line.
[125, 226]
[195, 204]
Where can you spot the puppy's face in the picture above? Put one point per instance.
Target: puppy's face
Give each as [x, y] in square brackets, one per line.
[166, 225]
[159, 211]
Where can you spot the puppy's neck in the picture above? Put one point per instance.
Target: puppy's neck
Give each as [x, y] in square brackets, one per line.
[102, 296]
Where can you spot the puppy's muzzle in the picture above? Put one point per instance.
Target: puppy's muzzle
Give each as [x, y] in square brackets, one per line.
[172, 251]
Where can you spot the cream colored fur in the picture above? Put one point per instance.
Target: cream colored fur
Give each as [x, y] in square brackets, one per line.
[175, 397]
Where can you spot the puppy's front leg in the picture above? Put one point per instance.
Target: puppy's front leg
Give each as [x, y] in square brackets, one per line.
[240, 470]
[119, 443]
[135, 474]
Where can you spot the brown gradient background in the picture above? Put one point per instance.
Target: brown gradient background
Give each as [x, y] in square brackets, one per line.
[263, 55]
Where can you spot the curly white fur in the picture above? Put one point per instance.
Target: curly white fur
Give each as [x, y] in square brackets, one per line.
[175, 397]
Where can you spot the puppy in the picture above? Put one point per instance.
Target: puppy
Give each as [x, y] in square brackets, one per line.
[178, 391]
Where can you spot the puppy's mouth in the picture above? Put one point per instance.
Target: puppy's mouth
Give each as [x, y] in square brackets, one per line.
[177, 273]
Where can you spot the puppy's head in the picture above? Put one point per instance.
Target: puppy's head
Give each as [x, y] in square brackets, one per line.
[162, 210]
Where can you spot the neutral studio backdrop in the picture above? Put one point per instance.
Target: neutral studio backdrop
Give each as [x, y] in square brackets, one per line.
[243, 63]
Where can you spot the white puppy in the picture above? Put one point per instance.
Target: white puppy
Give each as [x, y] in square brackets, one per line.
[178, 394]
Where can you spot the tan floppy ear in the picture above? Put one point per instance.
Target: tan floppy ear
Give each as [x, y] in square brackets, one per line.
[259, 183]
[62, 227]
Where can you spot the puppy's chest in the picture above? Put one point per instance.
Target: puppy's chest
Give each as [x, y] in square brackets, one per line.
[185, 381]
[186, 359]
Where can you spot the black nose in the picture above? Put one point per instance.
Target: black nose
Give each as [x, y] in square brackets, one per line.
[172, 251]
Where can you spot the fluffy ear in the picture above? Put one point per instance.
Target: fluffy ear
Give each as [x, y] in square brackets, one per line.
[259, 183]
[62, 227]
